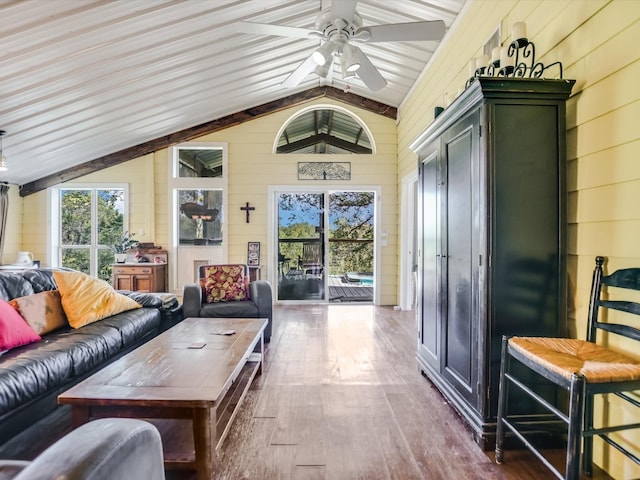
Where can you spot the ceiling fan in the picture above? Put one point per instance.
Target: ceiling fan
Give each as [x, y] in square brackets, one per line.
[340, 29]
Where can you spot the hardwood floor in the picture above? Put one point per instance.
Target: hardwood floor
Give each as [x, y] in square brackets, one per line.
[341, 397]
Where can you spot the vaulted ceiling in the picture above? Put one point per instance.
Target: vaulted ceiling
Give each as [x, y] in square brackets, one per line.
[83, 80]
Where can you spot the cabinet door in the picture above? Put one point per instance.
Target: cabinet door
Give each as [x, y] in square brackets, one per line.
[459, 251]
[142, 283]
[122, 282]
[429, 262]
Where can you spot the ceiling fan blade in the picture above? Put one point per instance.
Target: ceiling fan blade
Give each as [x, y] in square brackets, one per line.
[368, 73]
[343, 9]
[402, 32]
[304, 69]
[277, 30]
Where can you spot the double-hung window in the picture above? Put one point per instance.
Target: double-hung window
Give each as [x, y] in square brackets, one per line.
[86, 221]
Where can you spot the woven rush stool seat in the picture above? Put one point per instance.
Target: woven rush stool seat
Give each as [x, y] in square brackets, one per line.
[568, 356]
[541, 368]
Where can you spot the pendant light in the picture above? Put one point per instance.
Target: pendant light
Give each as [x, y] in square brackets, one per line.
[3, 159]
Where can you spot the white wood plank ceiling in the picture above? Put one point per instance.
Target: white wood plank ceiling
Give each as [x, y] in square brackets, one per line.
[81, 79]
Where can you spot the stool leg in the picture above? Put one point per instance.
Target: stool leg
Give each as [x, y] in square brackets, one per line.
[587, 453]
[503, 394]
[576, 414]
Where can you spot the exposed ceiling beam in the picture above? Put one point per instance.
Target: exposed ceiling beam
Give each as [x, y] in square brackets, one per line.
[330, 122]
[204, 129]
[326, 139]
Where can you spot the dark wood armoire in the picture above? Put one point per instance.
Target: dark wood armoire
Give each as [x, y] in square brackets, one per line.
[492, 235]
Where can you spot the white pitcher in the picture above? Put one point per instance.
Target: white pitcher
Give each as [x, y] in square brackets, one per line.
[24, 258]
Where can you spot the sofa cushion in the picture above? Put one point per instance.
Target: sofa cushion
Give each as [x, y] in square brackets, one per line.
[41, 279]
[87, 299]
[13, 285]
[131, 325]
[246, 308]
[14, 331]
[224, 283]
[29, 371]
[42, 311]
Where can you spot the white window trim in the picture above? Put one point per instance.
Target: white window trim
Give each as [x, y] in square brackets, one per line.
[272, 227]
[324, 106]
[53, 232]
[194, 183]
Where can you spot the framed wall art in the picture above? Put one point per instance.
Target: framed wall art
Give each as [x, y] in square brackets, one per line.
[253, 254]
[324, 170]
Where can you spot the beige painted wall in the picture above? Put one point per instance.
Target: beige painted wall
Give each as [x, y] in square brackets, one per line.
[253, 167]
[596, 40]
[138, 174]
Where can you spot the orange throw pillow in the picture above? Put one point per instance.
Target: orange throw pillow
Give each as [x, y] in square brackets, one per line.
[87, 299]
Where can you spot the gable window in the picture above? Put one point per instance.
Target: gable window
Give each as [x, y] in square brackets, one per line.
[324, 130]
[86, 221]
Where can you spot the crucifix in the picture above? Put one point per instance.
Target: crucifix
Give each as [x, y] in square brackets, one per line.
[247, 209]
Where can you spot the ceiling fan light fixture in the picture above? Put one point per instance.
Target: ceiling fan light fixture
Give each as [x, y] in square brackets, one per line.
[323, 70]
[349, 59]
[322, 54]
[346, 75]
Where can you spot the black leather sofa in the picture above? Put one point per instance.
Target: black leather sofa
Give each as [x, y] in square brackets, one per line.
[32, 376]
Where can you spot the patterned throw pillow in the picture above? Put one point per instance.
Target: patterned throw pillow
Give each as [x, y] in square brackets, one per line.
[14, 331]
[224, 283]
[87, 299]
[42, 311]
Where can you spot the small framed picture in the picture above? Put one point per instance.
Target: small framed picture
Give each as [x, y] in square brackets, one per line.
[253, 254]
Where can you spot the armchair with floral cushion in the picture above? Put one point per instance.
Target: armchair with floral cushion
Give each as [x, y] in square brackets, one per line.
[225, 291]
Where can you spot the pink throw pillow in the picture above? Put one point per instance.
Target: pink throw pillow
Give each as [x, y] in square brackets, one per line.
[14, 331]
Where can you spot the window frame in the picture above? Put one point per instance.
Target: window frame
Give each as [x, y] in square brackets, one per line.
[54, 251]
[183, 254]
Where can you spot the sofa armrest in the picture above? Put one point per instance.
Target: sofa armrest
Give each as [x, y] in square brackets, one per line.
[145, 299]
[191, 300]
[102, 449]
[9, 469]
[261, 294]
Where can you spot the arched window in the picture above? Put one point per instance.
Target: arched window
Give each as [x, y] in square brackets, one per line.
[324, 130]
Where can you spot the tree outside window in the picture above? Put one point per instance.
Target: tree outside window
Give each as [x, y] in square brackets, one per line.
[91, 220]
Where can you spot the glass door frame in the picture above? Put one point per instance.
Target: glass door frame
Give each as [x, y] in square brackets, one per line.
[272, 244]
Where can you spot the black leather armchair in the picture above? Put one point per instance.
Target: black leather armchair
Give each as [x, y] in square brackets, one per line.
[259, 304]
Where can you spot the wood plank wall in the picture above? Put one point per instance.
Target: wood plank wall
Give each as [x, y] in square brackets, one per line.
[253, 167]
[596, 40]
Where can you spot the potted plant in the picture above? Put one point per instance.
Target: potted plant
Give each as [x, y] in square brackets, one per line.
[124, 243]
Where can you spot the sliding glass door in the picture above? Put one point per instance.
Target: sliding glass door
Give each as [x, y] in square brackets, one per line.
[301, 253]
[325, 243]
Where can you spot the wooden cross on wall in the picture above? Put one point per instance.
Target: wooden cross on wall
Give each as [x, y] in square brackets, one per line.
[247, 209]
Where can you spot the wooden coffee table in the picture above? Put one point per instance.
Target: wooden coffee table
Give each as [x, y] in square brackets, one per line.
[174, 376]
